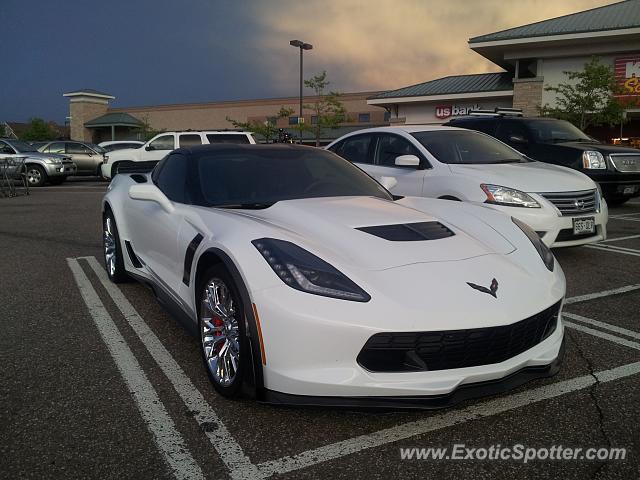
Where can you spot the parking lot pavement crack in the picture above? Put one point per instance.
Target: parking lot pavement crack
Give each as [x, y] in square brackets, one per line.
[594, 398]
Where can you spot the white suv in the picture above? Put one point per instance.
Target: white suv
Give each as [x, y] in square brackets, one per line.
[163, 143]
[563, 205]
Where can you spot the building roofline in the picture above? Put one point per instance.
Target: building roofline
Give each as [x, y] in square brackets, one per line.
[478, 39]
[226, 103]
[444, 96]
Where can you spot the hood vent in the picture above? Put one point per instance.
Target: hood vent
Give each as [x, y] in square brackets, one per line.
[410, 232]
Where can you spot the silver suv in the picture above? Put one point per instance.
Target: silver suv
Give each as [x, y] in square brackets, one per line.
[41, 167]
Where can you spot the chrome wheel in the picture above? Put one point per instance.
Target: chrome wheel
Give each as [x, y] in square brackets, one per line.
[34, 176]
[219, 332]
[109, 246]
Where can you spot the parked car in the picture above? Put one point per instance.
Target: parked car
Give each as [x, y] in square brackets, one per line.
[156, 148]
[308, 283]
[41, 167]
[120, 145]
[87, 156]
[563, 206]
[615, 168]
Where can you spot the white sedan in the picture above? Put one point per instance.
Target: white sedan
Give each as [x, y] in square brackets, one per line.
[563, 206]
[310, 284]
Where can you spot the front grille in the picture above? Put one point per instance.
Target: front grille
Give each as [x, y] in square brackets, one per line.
[574, 203]
[566, 235]
[625, 162]
[448, 349]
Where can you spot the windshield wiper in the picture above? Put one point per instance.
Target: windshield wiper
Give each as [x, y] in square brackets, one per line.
[248, 206]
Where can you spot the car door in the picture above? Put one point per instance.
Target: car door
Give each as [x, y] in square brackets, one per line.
[154, 232]
[82, 156]
[158, 148]
[388, 147]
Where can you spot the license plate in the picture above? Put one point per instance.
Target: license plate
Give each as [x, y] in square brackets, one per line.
[584, 225]
[629, 190]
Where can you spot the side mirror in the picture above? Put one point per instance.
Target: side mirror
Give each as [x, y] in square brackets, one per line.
[389, 182]
[148, 148]
[517, 138]
[407, 161]
[151, 193]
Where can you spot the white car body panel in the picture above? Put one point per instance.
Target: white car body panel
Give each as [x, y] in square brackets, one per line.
[311, 342]
[462, 182]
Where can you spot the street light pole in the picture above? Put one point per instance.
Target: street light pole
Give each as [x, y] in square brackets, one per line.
[302, 46]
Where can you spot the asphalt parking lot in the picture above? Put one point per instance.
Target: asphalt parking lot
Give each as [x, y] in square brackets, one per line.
[90, 370]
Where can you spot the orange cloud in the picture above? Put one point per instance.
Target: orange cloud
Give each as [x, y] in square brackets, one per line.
[378, 44]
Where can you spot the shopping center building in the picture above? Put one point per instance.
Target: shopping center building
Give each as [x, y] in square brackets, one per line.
[529, 58]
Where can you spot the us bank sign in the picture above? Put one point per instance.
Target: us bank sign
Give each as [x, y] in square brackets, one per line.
[446, 111]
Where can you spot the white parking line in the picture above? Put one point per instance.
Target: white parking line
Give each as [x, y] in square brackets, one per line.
[625, 218]
[618, 239]
[603, 335]
[622, 215]
[616, 247]
[609, 248]
[603, 325]
[604, 293]
[225, 445]
[437, 422]
[168, 439]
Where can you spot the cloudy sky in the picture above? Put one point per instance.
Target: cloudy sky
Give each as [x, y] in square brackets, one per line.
[148, 52]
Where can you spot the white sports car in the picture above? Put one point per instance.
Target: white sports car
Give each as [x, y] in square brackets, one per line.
[309, 283]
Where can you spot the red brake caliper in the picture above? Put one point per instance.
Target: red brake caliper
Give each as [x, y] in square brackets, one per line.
[217, 322]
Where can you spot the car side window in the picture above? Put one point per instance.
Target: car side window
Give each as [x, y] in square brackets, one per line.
[164, 142]
[189, 140]
[57, 147]
[392, 146]
[77, 148]
[6, 148]
[356, 149]
[337, 148]
[172, 178]
[227, 138]
[510, 131]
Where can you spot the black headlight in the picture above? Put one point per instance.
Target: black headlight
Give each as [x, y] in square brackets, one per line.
[304, 271]
[543, 250]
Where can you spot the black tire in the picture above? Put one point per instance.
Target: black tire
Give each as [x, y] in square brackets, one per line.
[36, 176]
[56, 180]
[115, 271]
[617, 201]
[218, 273]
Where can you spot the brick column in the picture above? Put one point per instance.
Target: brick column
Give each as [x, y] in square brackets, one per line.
[527, 95]
[85, 105]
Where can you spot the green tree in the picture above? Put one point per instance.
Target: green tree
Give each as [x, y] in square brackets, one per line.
[37, 130]
[268, 129]
[327, 109]
[588, 98]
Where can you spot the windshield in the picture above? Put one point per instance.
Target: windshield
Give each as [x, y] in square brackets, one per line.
[247, 179]
[96, 148]
[555, 131]
[467, 147]
[22, 147]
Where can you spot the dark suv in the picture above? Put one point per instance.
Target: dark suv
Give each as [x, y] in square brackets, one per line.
[615, 169]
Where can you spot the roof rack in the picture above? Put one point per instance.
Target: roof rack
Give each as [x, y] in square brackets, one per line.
[500, 111]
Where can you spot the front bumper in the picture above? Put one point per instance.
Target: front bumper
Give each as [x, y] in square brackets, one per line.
[105, 168]
[464, 392]
[65, 169]
[616, 184]
[555, 229]
[312, 343]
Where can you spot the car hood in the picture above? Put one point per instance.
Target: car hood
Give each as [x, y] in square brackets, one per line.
[528, 177]
[329, 227]
[600, 147]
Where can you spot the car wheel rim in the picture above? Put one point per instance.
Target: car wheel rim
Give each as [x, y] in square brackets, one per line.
[219, 332]
[109, 246]
[34, 176]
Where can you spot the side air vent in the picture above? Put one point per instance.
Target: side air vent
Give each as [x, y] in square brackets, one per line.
[410, 232]
[132, 255]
